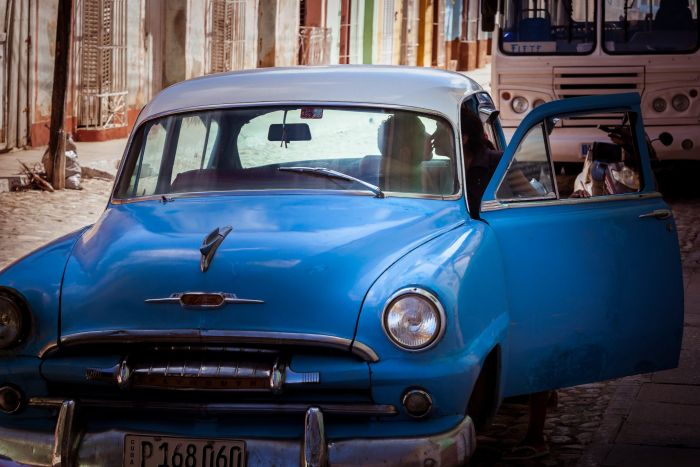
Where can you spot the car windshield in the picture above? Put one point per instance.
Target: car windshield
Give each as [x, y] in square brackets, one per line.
[650, 26]
[291, 148]
[547, 27]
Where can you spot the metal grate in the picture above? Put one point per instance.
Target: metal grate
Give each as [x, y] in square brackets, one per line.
[314, 45]
[387, 44]
[409, 33]
[226, 35]
[101, 48]
[582, 81]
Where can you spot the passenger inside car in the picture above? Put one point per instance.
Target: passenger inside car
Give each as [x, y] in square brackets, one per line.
[404, 145]
[609, 168]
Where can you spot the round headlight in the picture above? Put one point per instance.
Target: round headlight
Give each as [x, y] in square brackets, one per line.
[659, 104]
[537, 103]
[414, 319]
[520, 105]
[680, 102]
[11, 321]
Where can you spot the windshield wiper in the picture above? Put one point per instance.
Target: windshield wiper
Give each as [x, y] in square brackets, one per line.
[324, 172]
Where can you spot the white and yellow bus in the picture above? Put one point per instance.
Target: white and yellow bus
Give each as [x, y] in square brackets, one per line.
[554, 49]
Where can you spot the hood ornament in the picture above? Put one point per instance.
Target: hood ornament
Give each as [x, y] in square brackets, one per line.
[210, 244]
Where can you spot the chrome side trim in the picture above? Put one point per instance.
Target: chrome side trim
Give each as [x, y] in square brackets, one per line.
[221, 408]
[61, 454]
[496, 205]
[314, 450]
[212, 337]
[364, 351]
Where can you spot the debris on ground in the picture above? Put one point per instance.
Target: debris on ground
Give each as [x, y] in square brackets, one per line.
[37, 177]
[89, 172]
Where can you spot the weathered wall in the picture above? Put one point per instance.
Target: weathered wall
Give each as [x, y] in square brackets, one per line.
[286, 36]
[267, 32]
[175, 52]
[333, 22]
[251, 34]
[195, 39]
[43, 60]
[357, 22]
[136, 73]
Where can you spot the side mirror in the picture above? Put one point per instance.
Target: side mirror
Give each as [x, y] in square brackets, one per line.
[550, 123]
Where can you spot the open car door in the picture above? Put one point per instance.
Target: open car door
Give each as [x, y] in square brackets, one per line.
[593, 271]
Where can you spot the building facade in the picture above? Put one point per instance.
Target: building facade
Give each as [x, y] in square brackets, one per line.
[123, 52]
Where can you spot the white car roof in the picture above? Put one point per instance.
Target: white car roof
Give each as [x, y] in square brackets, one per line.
[421, 88]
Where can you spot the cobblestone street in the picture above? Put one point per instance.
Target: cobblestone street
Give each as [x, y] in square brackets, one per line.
[30, 219]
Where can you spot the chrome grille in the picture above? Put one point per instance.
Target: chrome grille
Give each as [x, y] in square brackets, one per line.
[265, 372]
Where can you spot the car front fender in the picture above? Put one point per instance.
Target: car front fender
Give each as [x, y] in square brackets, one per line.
[37, 279]
[463, 269]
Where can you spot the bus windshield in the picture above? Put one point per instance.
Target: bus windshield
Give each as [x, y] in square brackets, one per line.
[548, 27]
[650, 26]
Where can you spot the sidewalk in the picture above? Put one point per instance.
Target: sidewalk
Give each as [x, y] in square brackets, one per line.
[103, 156]
[654, 419]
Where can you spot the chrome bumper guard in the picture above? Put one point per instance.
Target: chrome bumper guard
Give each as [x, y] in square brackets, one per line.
[66, 448]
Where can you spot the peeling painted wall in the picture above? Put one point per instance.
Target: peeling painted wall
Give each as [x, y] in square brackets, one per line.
[44, 56]
[251, 33]
[195, 47]
[287, 32]
[136, 55]
[333, 22]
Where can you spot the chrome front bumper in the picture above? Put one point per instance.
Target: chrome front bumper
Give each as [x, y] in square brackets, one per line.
[65, 447]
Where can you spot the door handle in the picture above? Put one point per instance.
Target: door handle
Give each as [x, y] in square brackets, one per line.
[660, 214]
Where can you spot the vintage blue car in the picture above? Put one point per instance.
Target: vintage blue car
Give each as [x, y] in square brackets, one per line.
[289, 272]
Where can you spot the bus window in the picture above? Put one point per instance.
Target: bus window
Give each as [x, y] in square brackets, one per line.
[544, 27]
[650, 26]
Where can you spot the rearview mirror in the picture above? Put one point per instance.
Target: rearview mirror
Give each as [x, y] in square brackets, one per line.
[289, 132]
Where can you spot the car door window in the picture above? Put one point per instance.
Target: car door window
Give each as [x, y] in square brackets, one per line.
[529, 175]
[610, 162]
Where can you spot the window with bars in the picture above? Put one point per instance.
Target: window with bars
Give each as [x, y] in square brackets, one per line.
[409, 33]
[101, 51]
[226, 35]
[387, 45]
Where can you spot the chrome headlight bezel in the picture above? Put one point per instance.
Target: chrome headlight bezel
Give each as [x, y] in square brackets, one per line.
[428, 298]
[520, 105]
[659, 104]
[12, 308]
[680, 102]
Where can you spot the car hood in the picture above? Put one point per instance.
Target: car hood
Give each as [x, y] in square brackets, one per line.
[309, 259]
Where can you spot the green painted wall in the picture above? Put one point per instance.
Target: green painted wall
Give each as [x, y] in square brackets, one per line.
[367, 34]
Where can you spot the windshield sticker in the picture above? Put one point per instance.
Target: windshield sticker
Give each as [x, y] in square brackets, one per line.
[311, 112]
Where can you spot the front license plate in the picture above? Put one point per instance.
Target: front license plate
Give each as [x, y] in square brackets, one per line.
[167, 451]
